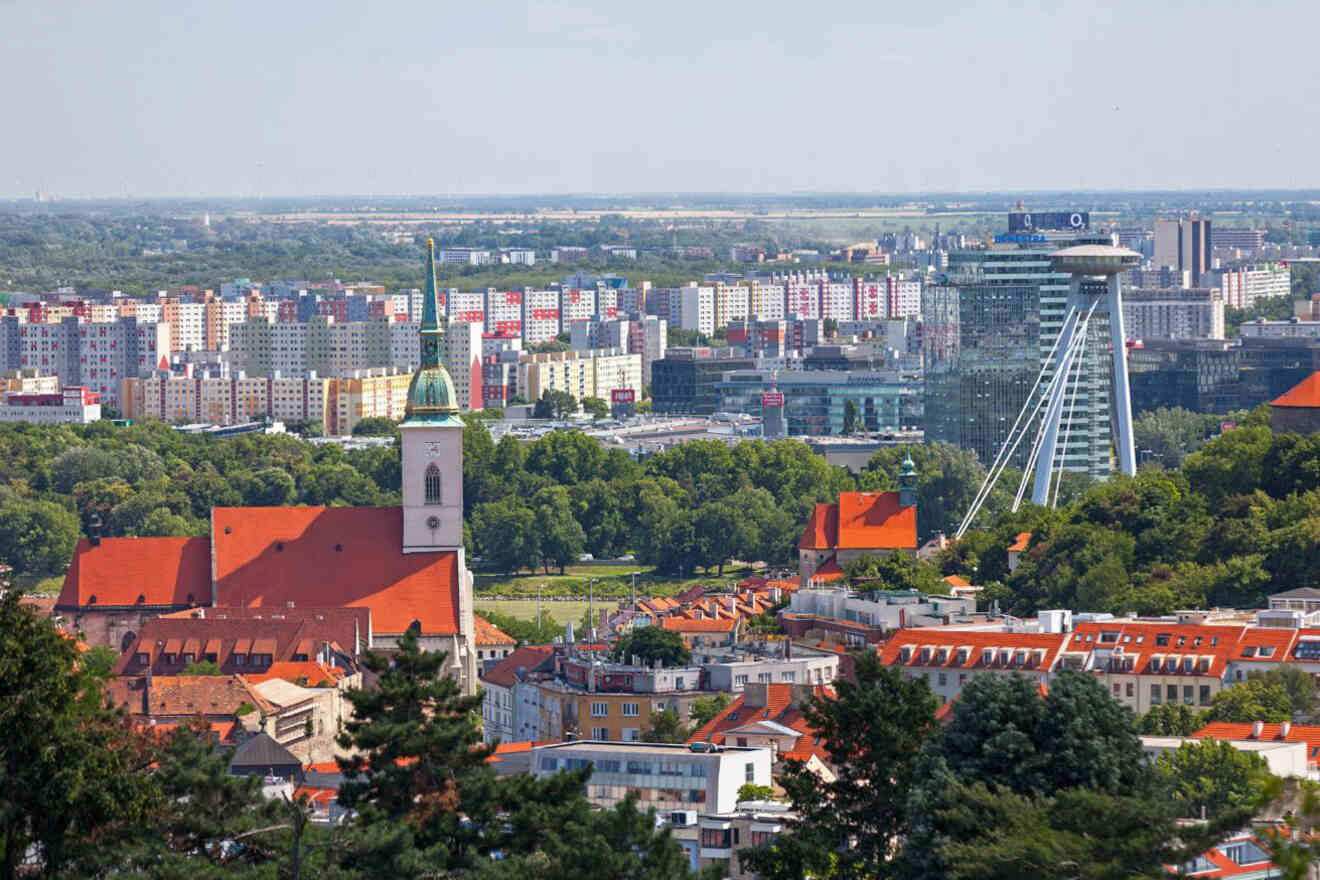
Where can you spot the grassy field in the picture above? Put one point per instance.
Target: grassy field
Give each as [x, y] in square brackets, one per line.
[561, 612]
[612, 582]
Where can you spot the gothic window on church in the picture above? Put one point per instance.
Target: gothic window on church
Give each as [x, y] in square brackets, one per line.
[432, 484]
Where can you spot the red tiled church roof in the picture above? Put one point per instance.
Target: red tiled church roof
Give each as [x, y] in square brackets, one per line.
[349, 556]
[862, 521]
[150, 572]
[488, 633]
[1304, 394]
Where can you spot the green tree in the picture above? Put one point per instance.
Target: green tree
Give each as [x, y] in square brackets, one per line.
[37, 537]
[1169, 435]
[1252, 700]
[872, 730]
[71, 768]
[268, 487]
[595, 407]
[704, 709]
[560, 537]
[750, 791]
[376, 426]
[1300, 686]
[948, 479]
[202, 667]
[666, 727]
[652, 644]
[1209, 777]
[897, 571]
[554, 405]
[1172, 719]
[505, 531]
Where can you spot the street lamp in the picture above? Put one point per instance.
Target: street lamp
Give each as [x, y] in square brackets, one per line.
[591, 608]
[634, 591]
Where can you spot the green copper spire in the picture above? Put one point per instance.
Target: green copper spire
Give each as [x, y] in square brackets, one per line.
[431, 397]
[432, 332]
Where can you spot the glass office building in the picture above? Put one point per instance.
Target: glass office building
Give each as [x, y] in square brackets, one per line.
[1010, 307]
[815, 401]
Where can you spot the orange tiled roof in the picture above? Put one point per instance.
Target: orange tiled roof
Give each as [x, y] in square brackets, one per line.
[349, 556]
[150, 572]
[778, 709]
[291, 671]
[862, 521]
[1162, 648]
[705, 624]
[954, 580]
[830, 571]
[1020, 543]
[940, 646]
[1304, 394]
[488, 633]
[528, 657]
[1307, 733]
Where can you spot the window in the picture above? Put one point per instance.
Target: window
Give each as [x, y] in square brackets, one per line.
[600, 710]
[432, 484]
[632, 734]
[680, 683]
[1155, 695]
[742, 742]
[1131, 690]
[765, 677]
[1205, 695]
[238, 659]
[789, 676]
[739, 680]
[631, 710]
[600, 733]
[749, 772]
[944, 679]
[142, 659]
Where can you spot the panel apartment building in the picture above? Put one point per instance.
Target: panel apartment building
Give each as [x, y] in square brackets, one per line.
[94, 355]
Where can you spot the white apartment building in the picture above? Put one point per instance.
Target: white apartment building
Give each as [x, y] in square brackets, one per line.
[463, 344]
[468, 306]
[1242, 286]
[504, 312]
[696, 308]
[801, 300]
[732, 303]
[462, 256]
[836, 300]
[766, 300]
[540, 315]
[664, 776]
[609, 302]
[576, 305]
[1194, 313]
[583, 374]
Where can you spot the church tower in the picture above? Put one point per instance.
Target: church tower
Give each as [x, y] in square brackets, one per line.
[432, 439]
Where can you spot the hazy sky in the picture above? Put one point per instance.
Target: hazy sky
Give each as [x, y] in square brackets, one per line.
[279, 97]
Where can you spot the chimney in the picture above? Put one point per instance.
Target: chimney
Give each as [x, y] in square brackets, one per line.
[755, 694]
[1256, 729]
[1284, 729]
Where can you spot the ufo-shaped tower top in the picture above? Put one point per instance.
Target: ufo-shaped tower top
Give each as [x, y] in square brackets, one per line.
[1094, 259]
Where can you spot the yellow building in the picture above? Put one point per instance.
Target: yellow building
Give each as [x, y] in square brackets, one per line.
[378, 393]
[594, 373]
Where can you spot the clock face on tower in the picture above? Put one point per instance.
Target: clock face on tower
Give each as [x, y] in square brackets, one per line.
[434, 449]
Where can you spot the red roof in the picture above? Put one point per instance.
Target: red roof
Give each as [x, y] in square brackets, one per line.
[943, 647]
[1020, 543]
[1305, 394]
[1162, 648]
[292, 670]
[779, 709]
[349, 556]
[1307, 733]
[151, 572]
[527, 658]
[862, 521]
[488, 633]
[955, 580]
[830, 571]
[706, 624]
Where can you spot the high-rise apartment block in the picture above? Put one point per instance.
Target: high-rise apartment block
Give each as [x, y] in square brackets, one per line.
[581, 374]
[1194, 313]
[1243, 285]
[96, 355]
[462, 358]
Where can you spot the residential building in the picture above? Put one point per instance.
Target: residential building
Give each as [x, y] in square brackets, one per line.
[28, 382]
[595, 373]
[364, 394]
[859, 524]
[569, 254]
[1245, 284]
[1192, 313]
[464, 256]
[703, 633]
[72, 406]
[493, 645]
[95, 356]
[799, 666]
[770, 716]
[463, 348]
[885, 610]
[696, 308]
[540, 316]
[1239, 238]
[504, 716]
[660, 775]
[948, 657]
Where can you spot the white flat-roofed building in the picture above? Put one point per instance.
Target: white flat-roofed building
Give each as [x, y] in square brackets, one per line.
[73, 405]
[1192, 313]
[664, 776]
[462, 256]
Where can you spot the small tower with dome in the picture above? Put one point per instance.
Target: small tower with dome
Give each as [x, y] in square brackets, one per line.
[907, 481]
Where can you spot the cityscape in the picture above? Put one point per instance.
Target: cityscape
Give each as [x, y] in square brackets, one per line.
[670, 498]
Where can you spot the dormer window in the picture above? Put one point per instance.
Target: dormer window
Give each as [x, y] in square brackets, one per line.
[1266, 651]
[431, 484]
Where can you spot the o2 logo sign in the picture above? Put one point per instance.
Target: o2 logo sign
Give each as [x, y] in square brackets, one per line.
[1074, 221]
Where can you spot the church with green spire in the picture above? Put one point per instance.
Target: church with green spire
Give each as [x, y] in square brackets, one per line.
[431, 396]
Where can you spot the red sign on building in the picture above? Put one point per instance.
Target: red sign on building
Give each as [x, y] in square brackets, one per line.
[772, 398]
[623, 395]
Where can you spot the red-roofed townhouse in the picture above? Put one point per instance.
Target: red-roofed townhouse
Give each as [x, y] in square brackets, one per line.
[504, 717]
[1259, 732]
[1148, 663]
[860, 524]
[770, 716]
[493, 644]
[404, 563]
[1299, 409]
[709, 632]
[948, 657]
